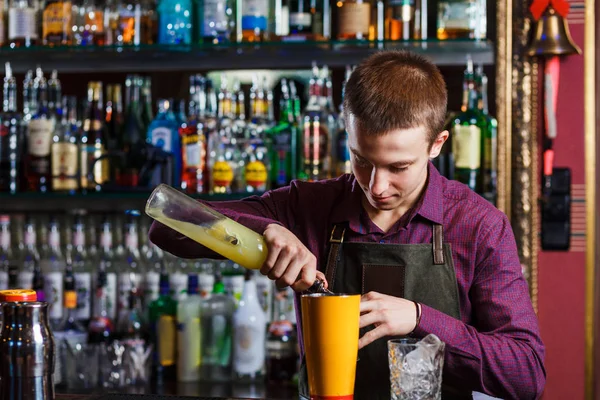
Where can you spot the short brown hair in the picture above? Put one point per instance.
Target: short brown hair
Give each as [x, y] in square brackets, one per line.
[397, 90]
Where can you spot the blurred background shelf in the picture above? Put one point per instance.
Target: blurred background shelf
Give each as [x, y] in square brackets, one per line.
[149, 58]
[92, 202]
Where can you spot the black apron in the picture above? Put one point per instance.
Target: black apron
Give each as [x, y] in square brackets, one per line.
[420, 272]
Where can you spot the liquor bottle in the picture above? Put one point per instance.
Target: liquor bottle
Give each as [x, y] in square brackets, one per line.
[193, 142]
[233, 279]
[146, 113]
[402, 20]
[107, 258]
[342, 153]
[163, 313]
[83, 271]
[89, 24]
[93, 173]
[216, 321]
[113, 116]
[52, 264]
[133, 135]
[149, 22]
[29, 97]
[489, 155]
[178, 278]
[154, 261]
[462, 19]
[206, 277]
[175, 22]
[163, 133]
[130, 265]
[222, 174]
[68, 332]
[57, 23]
[8, 263]
[65, 157]
[10, 136]
[30, 255]
[315, 133]
[216, 21]
[468, 129]
[22, 24]
[264, 290]
[3, 22]
[188, 333]
[303, 16]
[129, 23]
[284, 138]
[131, 327]
[254, 20]
[101, 327]
[353, 19]
[249, 323]
[281, 357]
[40, 131]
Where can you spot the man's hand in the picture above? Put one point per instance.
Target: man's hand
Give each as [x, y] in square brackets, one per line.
[289, 262]
[392, 316]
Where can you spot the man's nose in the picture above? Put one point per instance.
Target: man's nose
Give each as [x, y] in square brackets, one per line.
[379, 182]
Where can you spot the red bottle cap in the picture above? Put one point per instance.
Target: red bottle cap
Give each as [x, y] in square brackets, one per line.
[17, 295]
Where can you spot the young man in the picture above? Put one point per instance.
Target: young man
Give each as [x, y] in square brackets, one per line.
[427, 254]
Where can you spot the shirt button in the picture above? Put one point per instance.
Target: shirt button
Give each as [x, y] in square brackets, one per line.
[382, 241]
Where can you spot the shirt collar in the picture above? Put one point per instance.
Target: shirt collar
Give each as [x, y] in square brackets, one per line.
[430, 206]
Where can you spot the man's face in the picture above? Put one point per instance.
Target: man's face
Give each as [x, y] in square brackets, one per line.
[391, 168]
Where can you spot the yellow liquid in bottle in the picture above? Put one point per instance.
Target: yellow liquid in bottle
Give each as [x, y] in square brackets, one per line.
[226, 237]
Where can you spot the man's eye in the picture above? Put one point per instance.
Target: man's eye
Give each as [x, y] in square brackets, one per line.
[397, 170]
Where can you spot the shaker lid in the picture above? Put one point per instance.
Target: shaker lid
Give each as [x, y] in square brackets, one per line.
[18, 295]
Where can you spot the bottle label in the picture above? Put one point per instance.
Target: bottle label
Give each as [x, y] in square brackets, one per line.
[254, 14]
[188, 338]
[64, 166]
[3, 280]
[215, 17]
[222, 174]
[220, 351]
[193, 151]
[300, 19]
[22, 23]
[354, 18]
[290, 311]
[106, 239]
[131, 240]
[205, 284]
[264, 290]
[256, 174]
[40, 137]
[54, 239]
[178, 282]
[125, 286]
[281, 328]
[93, 171]
[70, 299]
[166, 340]
[111, 295]
[25, 280]
[234, 286]
[95, 21]
[249, 349]
[79, 237]
[5, 239]
[152, 286]
[57, 21]
[466, 146]
[161, 138]
[83, 287]
[53, 290]
[29, 238]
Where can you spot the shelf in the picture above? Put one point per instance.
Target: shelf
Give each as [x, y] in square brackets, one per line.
[93, 202]
[234, 56]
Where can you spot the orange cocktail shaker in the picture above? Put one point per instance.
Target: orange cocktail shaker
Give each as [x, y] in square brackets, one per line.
[330, 327]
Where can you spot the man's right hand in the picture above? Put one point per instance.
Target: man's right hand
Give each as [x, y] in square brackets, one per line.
[289, 262]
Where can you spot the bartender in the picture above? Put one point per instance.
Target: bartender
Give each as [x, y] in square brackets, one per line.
[427, 254]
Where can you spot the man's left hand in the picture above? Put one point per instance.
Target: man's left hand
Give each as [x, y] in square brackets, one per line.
[391, 316]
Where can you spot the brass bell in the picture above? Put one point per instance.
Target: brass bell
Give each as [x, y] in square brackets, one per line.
[551, 36]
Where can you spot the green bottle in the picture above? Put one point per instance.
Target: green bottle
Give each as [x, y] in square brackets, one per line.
[163, 317]
[489, 154]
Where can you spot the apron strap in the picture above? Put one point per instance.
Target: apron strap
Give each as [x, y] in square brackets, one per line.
[438, 244]
[335, 242]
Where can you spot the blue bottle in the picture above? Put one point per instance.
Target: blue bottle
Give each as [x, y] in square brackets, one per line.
[175, 22]
[163, 132]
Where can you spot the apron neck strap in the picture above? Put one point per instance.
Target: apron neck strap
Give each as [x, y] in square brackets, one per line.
[438, 244]
[335, 243]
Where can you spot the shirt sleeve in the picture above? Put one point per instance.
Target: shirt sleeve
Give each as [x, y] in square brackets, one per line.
[500, 352]
[255, 212]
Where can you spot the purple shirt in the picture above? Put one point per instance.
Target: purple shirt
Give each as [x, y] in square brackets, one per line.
[495, 347]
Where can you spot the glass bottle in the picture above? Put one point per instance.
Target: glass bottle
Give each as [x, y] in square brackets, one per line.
[65, 157]
[83, 271]
[178, 278]
[249, 323]
[30, 255]
[11, 142]
[254, 20]
[52, 263]
[216, 320]
[281, 357]
[175, 22]
[163, 313]
[216, 21]
[101, 327]
[131, 328]
[130, 267]
[29, 97]
[163, 133]
[8, 263]
[354, 19]
[93, 173]
[107, 258]
[342, 153]
[134, 133]
[189, 333]
[490, 140]
[113, 116]
[39, 139]
[468, 128]
[402, 20]
[146, 112]
[22, 23]
[300, 20]
[129, 26]
[89, 25]
[462, 19]
[57, 23]
[149, 22]
[193, 142]
[154, 260]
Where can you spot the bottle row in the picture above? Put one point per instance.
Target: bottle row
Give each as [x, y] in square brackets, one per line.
[226, 140]
[172, 22]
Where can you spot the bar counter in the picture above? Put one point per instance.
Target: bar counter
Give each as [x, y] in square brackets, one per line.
[200, 391]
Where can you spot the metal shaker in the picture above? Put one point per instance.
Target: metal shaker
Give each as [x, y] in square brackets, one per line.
[26, 352]
[15, 295]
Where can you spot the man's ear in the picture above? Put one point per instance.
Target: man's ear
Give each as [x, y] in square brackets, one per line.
[438, 143]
